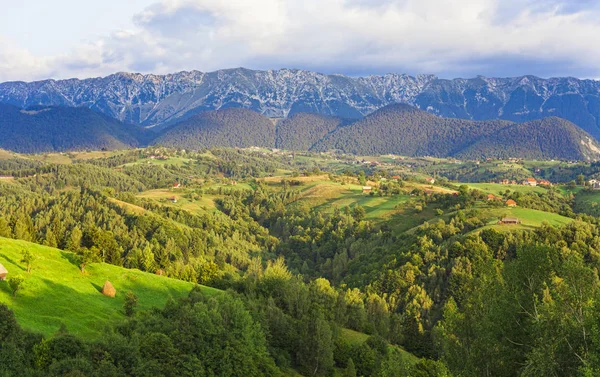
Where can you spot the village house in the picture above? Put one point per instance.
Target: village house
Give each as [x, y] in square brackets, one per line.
[366, 189]
[505, 182]
[511, 203]
[396, 177]
[530, 182]
[431, 181]
[176, 185]
[491, 197]
[173, 199]
[544, 182]
[594, 184]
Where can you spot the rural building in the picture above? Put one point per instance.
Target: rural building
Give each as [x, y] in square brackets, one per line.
[431, 181]
[509, 221]
[544, 182]
[511, 203]
[396, 177]
[530, 182]
[594, 183]
[176, 185]
[366, 189]
[491, 197]
[505, 182]
[173, 199]
[3, 272]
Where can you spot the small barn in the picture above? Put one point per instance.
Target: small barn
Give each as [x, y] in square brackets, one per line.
[3, 272]
[509, 221]
[366, 189]
[511, 203]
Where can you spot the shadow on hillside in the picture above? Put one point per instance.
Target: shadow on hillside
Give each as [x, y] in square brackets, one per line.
[97, 287]
[72, 258]
[4, 287]
[12, 261]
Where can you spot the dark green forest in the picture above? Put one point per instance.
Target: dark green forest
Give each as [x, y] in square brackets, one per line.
[48, 129]
[397, 129]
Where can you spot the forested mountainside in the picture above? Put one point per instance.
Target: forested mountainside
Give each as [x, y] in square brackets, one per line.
[303, 130]
[160, 100]
[46, 129]
[545, 139]
[225, 128]
[397, 129]
[405, 130]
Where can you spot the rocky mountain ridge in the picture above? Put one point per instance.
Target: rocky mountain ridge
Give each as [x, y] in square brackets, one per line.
[162, 100]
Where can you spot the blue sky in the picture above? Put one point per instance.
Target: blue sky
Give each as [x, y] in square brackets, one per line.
[88, 38]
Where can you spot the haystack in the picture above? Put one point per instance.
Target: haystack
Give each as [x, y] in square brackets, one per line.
[108, 290]
[3, 272]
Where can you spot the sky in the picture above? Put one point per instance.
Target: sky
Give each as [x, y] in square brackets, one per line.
[60, 39]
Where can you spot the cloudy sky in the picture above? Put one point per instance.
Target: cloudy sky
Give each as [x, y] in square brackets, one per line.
[84, 38]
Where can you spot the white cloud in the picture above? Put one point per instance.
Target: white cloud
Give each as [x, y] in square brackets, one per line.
[493, 37]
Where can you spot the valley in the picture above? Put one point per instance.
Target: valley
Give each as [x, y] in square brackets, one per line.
[376, 245]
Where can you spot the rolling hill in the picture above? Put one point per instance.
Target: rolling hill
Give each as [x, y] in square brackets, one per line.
[230, 127]
[303, 130]
[56, 129]
[405, 130]
[56, 293]
[549, 138]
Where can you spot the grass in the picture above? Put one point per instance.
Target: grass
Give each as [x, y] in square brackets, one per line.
[56, 292]
[356, 338]
[530, 218]
[496, 188]
[206, 202]
[327, 195]
[178, 161]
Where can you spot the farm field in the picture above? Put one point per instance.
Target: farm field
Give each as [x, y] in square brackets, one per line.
[529, 218]
[496, 188]
[57, 293]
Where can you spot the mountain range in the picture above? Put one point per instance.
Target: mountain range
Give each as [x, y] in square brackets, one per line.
[158, 101]
[397, 129]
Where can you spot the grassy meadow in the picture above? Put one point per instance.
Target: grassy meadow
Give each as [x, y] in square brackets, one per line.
[57, 293]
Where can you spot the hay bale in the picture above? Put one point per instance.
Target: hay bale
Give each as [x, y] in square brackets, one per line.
[108, 290]
[3, 272]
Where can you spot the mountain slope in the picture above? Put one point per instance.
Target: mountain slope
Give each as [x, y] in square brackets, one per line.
[404, 130]
[51, 129]
[155, 100]
[225, 128]
[302, 130]
[549, 138]
[57, 293]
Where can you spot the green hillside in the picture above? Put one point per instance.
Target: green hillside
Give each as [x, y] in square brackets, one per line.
[49, 129]
[302, 130]
[405, 130]
[225, 128]
[56, 292]
[548, 138]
